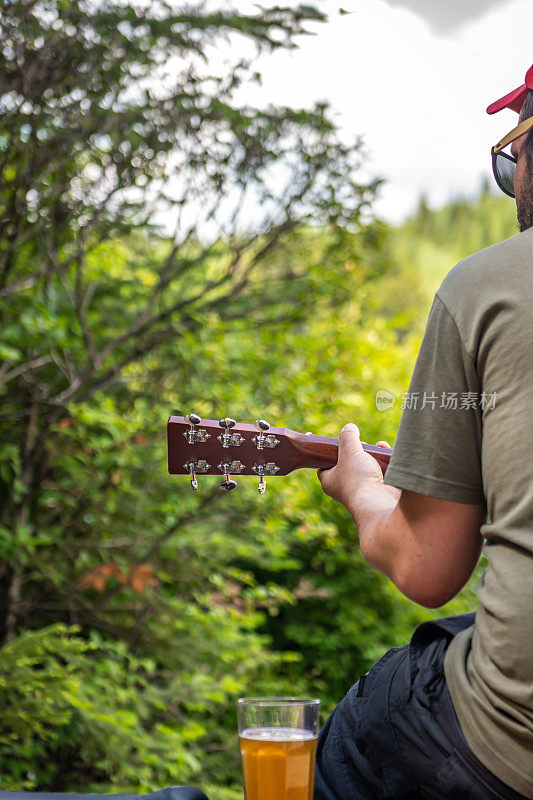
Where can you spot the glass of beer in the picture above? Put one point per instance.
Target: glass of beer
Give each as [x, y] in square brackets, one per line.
[278, 736]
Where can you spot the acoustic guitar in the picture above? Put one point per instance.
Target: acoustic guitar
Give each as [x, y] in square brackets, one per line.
[223, 447]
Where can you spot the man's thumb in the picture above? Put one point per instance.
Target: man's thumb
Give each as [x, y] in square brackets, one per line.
[349, 442]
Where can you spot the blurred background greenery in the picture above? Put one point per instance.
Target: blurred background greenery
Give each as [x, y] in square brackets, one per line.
[133, 612]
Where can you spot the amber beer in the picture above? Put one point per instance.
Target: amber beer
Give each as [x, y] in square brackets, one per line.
[278, 763]
[278, 738]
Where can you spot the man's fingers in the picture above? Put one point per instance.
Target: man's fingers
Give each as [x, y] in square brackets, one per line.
[322, 475]
[349, 428]
[349, 443]
[383, 444]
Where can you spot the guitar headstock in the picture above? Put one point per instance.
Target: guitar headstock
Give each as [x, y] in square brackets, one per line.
[226, 448]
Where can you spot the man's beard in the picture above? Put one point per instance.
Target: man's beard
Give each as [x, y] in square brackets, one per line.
[524, 205]
[524, 213]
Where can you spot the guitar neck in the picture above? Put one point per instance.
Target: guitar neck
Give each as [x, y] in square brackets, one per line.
[321, 452]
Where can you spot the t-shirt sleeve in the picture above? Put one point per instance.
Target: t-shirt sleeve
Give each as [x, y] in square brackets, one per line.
[438, 447]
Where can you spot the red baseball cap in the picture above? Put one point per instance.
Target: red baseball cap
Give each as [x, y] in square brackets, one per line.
[514, 99]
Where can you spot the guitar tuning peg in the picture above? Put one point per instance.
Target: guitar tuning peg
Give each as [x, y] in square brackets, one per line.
[196, 467]
[195, 434]
[264, 469]
[228, 438]
[228, 483]
[191, 469]
[261, 441]
[259, 469]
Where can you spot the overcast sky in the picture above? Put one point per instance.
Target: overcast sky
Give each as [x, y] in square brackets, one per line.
[446, 15]
[413, 77]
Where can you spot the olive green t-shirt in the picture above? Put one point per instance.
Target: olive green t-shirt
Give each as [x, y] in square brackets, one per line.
[466, 435]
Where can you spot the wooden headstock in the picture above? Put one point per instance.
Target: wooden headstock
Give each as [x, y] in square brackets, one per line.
[223, 447]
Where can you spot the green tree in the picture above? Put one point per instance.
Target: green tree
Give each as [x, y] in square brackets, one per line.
[88, 146]
[106, 324]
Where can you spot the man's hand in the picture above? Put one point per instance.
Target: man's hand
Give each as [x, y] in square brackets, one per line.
[426, 546]
[355, 472]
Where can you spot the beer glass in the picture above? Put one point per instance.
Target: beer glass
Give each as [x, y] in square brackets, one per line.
[277, 737]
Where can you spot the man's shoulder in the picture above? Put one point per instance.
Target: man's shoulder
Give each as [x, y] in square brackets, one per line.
[489, 271]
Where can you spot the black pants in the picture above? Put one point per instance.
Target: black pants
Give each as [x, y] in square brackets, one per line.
[396, 736]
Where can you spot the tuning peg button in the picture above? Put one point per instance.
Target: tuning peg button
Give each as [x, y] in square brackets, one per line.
[195, 434]
[261, 441]
[194, 467]
[227, 422]
[227, 439]
[227, 484]
[262, 470]
[191, 467]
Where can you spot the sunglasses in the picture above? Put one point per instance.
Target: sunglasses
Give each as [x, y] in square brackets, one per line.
[503, 165]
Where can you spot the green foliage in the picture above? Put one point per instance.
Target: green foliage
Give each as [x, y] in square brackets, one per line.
[37, 672]
[62, 695]
[430, 242]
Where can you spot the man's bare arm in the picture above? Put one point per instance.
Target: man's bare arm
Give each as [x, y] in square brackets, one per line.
[427, 547]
